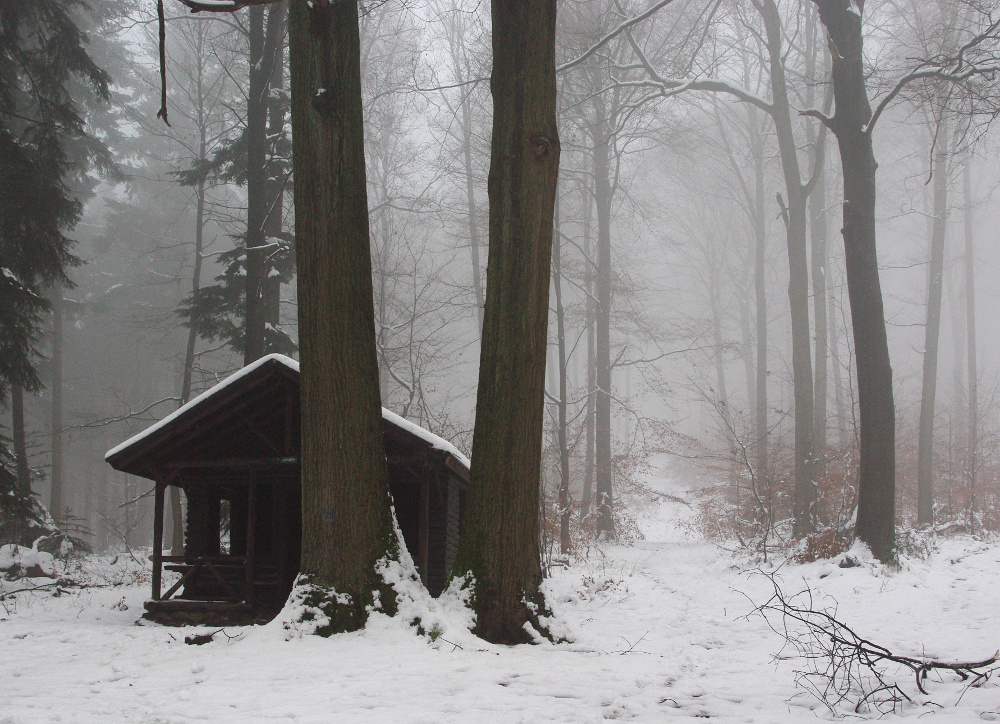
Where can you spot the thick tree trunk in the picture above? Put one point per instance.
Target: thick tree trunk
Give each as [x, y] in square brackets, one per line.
[499, 545]
[346, 521]
[57, 502]
[932, 333]
[265, 44]
[877, 477]
[20, 439]
[603, 472]
[970, 326]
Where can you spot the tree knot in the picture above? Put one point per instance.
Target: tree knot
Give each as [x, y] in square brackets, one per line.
[542, 145]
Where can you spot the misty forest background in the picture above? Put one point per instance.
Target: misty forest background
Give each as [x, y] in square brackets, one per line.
[670, 178]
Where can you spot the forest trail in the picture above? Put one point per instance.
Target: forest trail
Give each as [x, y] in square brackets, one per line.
[659, 632]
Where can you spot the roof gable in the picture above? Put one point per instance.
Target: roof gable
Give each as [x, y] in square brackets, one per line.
[253, 413]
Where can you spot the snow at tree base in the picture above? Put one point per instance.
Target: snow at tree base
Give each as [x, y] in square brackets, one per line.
[658, 631]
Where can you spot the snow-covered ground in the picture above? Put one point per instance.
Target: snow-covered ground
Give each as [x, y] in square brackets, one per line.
[660, 633]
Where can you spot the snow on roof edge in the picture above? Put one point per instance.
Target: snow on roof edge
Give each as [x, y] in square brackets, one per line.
[435, 441]
[239, 374]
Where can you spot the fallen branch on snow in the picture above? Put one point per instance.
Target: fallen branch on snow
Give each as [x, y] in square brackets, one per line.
[845, 667]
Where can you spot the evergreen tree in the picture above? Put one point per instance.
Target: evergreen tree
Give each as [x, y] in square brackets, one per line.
[258, 158]
[44, 151]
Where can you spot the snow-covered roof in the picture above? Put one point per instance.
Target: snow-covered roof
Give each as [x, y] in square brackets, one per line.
[436, 442]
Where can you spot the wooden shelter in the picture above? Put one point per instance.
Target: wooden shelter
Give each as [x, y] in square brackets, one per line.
[234, 451]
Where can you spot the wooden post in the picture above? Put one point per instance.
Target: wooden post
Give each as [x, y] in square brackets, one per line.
[158, 538]
[290, 420]
[281, 529]
[424, 535]
[251, 538]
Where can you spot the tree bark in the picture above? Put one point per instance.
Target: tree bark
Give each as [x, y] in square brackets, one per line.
[265, 44]
[499, 544]
[57, 503]
[346, 520]
[877, 476]
[932, 332]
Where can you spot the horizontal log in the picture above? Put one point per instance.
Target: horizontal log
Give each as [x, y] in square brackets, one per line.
[184, 606]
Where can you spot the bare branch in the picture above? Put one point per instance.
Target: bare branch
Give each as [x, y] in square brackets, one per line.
[672, 86]
[613, 34]
[927, 73]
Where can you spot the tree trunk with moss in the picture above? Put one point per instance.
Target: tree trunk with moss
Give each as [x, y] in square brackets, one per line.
[499, 545]
[346, 522]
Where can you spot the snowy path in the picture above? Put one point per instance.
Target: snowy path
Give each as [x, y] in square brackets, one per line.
[664, 640]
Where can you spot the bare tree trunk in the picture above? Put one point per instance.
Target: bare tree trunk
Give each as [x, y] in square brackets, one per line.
[588, 285]
[970, 323]
[804, 494]
[265, 46]
[57, 502]
[563, 432]
[499, 544]
[275, 186]
[838, 382]
[346, 520]
[718, 358]
[19, 435]
[760, 295]
[932, 332]
[747, 343]
[176, 509]
[603, 471]
[818, 237]
[817, 203]
[877, 478]
[471, 213]
[456, 46]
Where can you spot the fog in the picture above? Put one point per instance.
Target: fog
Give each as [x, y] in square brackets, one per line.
[694, 181]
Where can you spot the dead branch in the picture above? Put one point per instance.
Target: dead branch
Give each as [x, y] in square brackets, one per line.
[847, 668]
